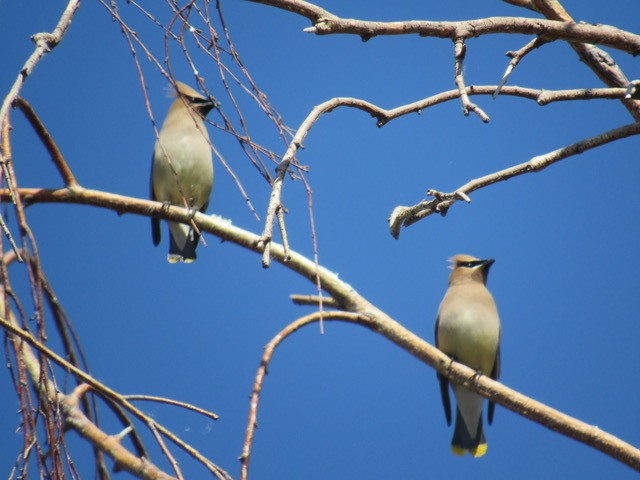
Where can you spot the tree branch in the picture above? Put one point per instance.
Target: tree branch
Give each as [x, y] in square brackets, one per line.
[459, 52]
[516, 57]
[261, 374]
[404, 216]
[383, 116]
[69, 404]
[138, 466]
[599, 61]
[48, 142]
[366, 313]
[314, 300]
[325, 23]
[45, 42]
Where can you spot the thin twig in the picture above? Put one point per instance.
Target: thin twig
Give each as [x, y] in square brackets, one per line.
[5, 154]
[269, 350]
[12, 242]
[169, 401]
[165, 450]
[45, 42]
[316, 253]
[314, 300]
[5, 159]
[283, 232]
[140, 467]
[275, 200]
[516, 57]
[48, 142]
[459, 52]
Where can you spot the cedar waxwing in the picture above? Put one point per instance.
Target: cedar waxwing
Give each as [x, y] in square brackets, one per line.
[184, 140]
[468, 330]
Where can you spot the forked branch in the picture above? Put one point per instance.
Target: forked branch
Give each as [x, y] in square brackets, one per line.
[404, 216]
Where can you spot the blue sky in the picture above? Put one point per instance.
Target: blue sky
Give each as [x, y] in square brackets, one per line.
[346, 404]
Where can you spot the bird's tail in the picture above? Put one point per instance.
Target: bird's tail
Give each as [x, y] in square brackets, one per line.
[186, 253]
[462, 441]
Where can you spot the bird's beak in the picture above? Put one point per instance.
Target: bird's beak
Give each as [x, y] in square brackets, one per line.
[487, 263]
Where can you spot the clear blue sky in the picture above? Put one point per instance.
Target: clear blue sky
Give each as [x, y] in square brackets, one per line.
[347, 404]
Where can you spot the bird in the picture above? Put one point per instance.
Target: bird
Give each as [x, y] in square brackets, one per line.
[468, 330]
[182, 168]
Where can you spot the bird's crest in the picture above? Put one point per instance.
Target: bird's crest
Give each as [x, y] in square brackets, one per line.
[459, 259]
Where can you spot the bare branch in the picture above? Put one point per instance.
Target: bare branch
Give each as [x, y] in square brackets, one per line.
[365, 313]
[283, 231]
[459, 54]
[314, 300]
[5, 160]
[269, 350]
[458, 373]
[68, 404]
[169, 401]
[405, 216]
[48, 142]
[5, 154]
[325, 23]
[165, 450]
[45, 42]
[383, 116]
[102, 389]
[515, 59]
[12, 242]
[139, 467]
[599, 61]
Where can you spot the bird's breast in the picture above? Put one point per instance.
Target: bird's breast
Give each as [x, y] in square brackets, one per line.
[470, 333]
[190, 159]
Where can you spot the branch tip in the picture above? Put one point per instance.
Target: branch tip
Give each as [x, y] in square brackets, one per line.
[73, 399]
[460, 194]
[126, 431]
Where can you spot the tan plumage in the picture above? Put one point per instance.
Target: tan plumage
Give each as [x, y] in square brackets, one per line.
[183, 147]
[468, 330]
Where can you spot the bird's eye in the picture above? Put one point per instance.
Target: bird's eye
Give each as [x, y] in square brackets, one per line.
[471, 264]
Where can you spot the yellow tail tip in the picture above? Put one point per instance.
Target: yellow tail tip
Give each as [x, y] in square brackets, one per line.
[458, 450]
[173, 258]
[476, 452]
[479, 450]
